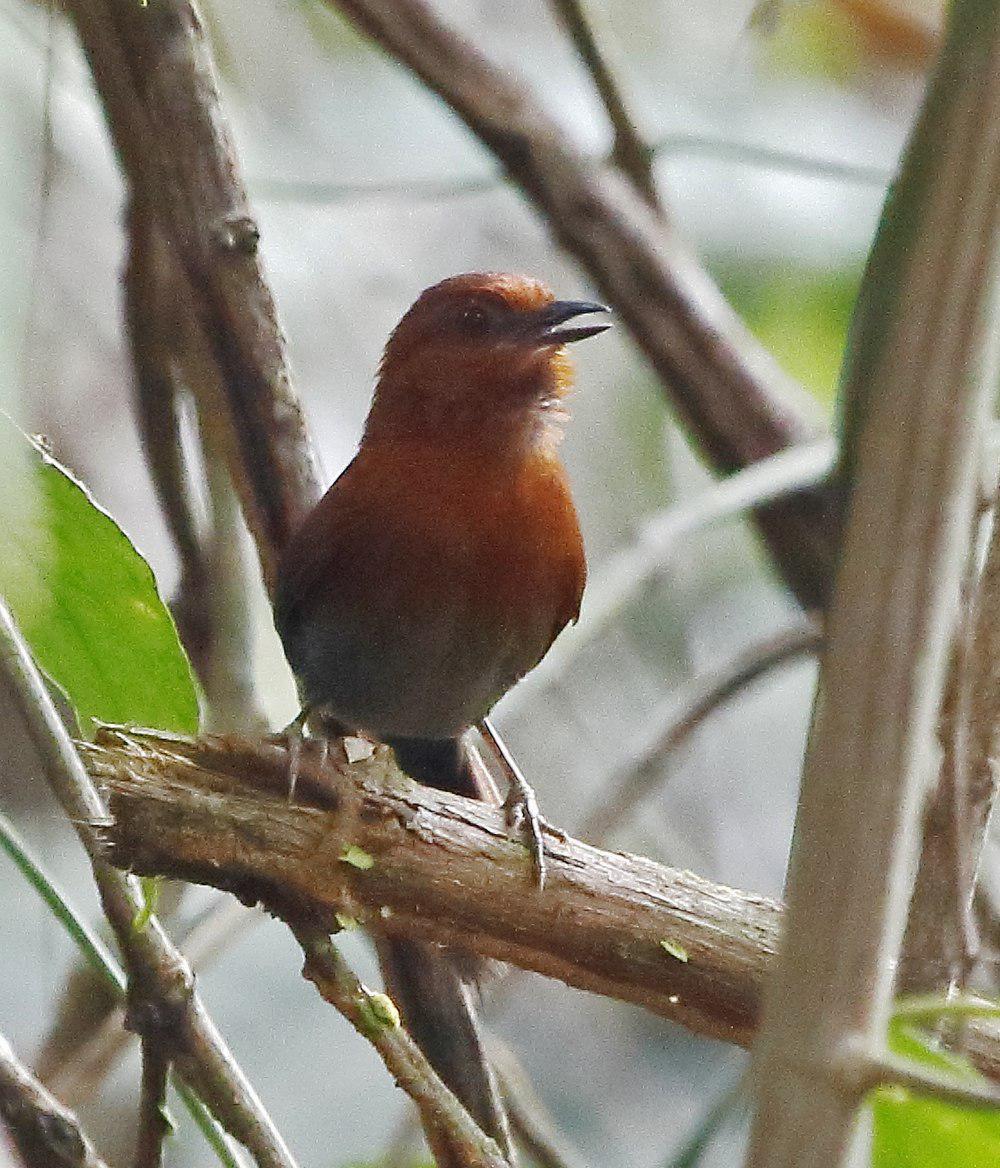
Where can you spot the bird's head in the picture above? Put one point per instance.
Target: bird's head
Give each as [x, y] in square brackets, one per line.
[479, 353]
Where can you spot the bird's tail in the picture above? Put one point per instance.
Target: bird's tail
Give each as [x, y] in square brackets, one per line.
[436, 1000]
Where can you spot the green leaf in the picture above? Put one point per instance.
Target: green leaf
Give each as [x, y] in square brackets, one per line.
[378, 1012]
[674, 948]
[84, 598]
[917, 1132]
[151, 886]
[357, 857]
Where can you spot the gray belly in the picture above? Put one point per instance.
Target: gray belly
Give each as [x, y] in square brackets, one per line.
[426, 677]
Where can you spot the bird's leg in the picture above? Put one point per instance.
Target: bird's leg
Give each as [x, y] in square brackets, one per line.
[520, 806]
[293, 738]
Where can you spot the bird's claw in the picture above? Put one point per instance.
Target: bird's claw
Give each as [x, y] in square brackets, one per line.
[293, 739]
[524, 819]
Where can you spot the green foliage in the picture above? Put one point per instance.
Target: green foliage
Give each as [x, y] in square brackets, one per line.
[674, 948]
[84, 598]
[357, 857]
[800, 315]
[811, 39]
[912, 1132]
[151, 886]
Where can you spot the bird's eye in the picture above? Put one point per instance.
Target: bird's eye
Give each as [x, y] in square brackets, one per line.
[474, 320]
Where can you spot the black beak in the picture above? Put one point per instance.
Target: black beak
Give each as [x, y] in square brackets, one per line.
[547, 325]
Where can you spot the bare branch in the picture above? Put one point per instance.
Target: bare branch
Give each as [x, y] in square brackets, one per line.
[929, 952]
[887, 1071]
[375, 1017]
[156, 325]
[529, 1117]
[154, 75]
[680, 716]
[443, 868]
[196, 810]
[640, 561]
[677, 145]
[154, 1125]
[153, 963]
[46, 1134]
[631, 153]
[922, 366]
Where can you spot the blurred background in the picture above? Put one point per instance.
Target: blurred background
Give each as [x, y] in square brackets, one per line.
[777, 130]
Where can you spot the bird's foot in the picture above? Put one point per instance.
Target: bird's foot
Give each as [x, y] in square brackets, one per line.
[524, 819]
[294, 740]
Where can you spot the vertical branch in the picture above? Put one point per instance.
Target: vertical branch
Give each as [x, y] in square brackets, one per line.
[153, 71]
[930, 953]
[154, 1126]
[154, 326]
[928, 342]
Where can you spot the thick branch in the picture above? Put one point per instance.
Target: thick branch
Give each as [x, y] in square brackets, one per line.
[153, 71]
[216, 812]
[737, 404]
[921, 369]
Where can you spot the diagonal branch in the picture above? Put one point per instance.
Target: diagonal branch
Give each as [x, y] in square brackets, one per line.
[375, 1017]
[631, 153]
[159, 976]
[442, 867]
[46, 1134]
[152, 68]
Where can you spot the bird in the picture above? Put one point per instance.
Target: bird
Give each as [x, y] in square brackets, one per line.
[435, 572]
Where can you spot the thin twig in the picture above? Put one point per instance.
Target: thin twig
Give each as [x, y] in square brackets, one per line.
[680, 145]
[154, 1125]
[931, 1009]
[929, 952]
[870, 1073]
[78, 1074]
[631, 152]
[201, 1054]
[678, 718]
[637, 565]
[107, 968]
[155, 325]
[731, 1101]
[530, 1118]
[90, 944]
[45, 183]
[46, 1134]
[230, 694]
[374, 1016]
